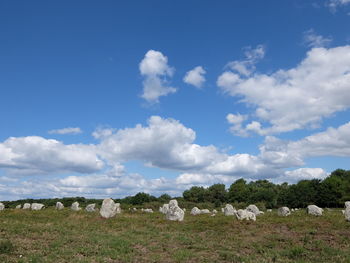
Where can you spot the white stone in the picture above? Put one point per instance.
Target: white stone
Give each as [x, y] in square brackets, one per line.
[18, 206]
[229, 210]
[292, 210]
[36, 206]
[283, 211]
[109, 208]
[184, 209]
[245, 215]
[175, 213]
[347, 204]
[134, 209]
[269, 210]
[147, 210]
[2, 206]
[26, 206]
[314, 210]
[343, 211]
[195, 211]
[90, 208]
[59, 206]
[222, 210]
[214, 211]
[75, 206]
[347, 214]
[213, 215]
[164, 209]
[254, 209]
[205, 211]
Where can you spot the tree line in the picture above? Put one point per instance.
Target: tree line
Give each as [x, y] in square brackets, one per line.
[333, 191]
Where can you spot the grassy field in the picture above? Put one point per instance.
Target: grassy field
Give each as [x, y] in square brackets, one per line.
[67, 236]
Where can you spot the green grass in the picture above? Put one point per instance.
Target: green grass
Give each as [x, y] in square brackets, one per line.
[67, 236]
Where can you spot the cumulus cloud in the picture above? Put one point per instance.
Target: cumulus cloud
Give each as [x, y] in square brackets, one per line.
[295, 176]
[282, 154]
[311, 39]
[236, 121]
[195, 77]
[37, 155]
[69, 130]
[297, 98]
[155, 69]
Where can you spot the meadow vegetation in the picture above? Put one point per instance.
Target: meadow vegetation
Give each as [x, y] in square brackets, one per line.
[67, 236]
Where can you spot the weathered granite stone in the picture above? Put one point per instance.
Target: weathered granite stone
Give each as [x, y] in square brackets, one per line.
[90, 208]
[254, 209]
[164, 209]
[18, 206]
[175, 213]
[268, 210]
[205, 211]
[283, 211]
[2, 206]
[195, 211]
[347, 214]
[147, 210]
[26, 206]
[214, 211]
[314, 210]
[59, 206]
[222, 210]
[347, 204]
[109, 208]
[245, 215]
[75, 206]
[229, 210]
[36, 206]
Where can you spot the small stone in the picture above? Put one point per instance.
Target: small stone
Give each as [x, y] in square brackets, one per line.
[283, 211]
[205, 211]
[59, 206]
[36, 206]
[2, 206]
[229, 210]
[26, 206]
[147, 210]
[195, 211]
[90, 208]
[164, 209]
[314, 210]
[18, 206]
[245, 215]
[75, 206]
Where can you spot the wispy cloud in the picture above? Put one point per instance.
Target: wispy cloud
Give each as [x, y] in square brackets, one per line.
[69, 130]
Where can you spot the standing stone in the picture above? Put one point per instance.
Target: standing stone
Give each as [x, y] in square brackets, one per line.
[108, 208]
[36, 206]
[283, 211]
[2, 206]
[222, 210]
[245, 214]
[229, 210]
[347, 204]
[59, 206]
[175, 213]
[118, 208]
[347, 214]
[90, 208]
[164, 209]
[195, 211]
[205, 211]
[214, 211]
[18, 206]
[254, 209]
[26, 206]
[314, 210]
[75, 206]
[147, 210]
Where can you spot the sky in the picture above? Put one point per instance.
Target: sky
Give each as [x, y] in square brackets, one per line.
[110, 98]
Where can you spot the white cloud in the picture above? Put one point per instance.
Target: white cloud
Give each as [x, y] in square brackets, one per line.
[311, 39]
[154, 67]
[283, 154]
[236, 120]
[247, 66]
[301, 174]
[297, 98]
[69, 130]
[37, 155]
[195, 77]
[334, 4]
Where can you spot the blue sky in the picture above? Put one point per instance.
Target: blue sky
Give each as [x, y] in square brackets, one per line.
[109, 98]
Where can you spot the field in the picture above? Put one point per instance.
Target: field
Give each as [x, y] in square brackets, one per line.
[67, 236]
